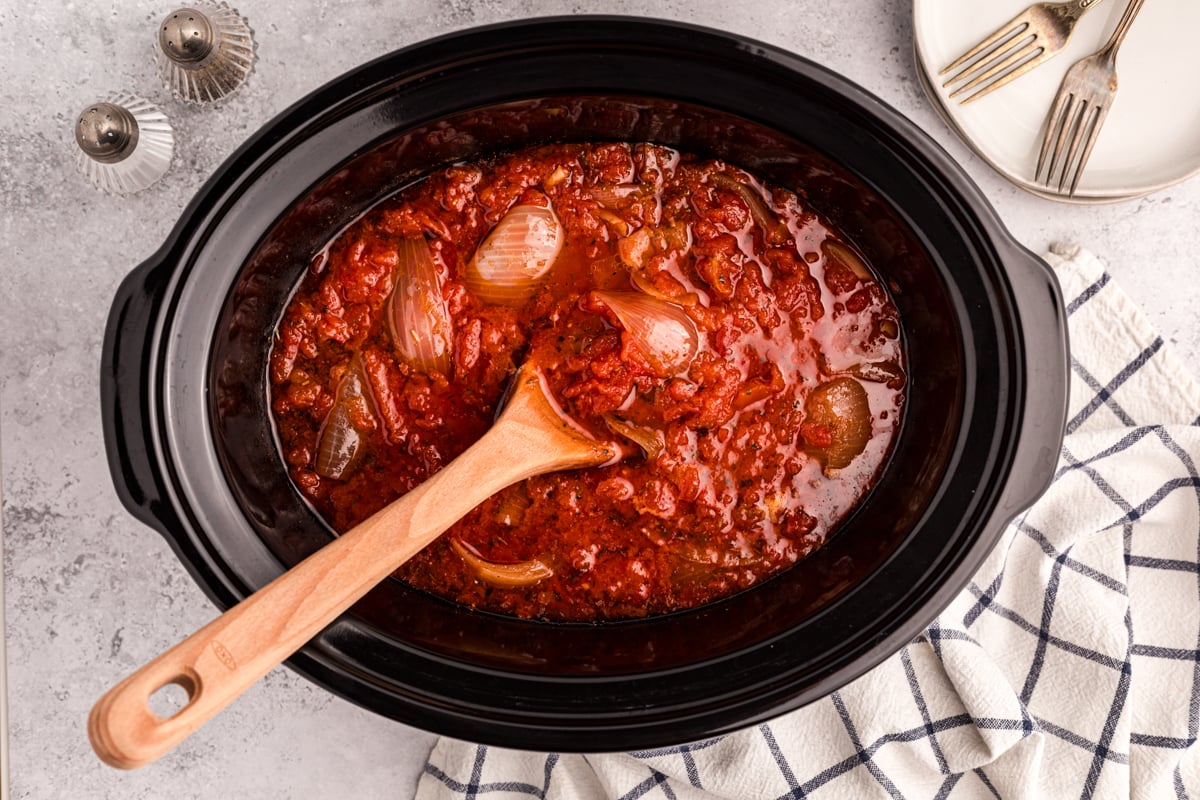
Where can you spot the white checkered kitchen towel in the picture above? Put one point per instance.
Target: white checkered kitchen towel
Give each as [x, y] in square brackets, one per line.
[1069, 668]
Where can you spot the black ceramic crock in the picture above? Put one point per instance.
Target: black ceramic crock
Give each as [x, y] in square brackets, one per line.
[193, 453]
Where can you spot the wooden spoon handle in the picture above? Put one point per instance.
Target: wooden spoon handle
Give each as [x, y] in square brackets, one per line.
[224, 658]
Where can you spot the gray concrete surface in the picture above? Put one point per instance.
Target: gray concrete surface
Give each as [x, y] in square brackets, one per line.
[90, 592]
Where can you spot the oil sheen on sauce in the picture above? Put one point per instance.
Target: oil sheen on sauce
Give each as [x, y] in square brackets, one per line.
[739, 465]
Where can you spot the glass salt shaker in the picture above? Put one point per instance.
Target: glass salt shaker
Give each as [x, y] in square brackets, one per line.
[205, 52]
[125, 144]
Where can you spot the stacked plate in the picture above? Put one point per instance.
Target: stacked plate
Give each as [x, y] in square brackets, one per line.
[1151, 139]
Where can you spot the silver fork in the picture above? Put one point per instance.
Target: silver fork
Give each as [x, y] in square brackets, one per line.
[1080, 108]
[1029, 39]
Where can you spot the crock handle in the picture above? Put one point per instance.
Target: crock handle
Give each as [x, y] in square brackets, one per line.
[1044, 328]
[126, 392]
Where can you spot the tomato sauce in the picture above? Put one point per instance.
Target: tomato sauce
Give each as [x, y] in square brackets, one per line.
[743, 457]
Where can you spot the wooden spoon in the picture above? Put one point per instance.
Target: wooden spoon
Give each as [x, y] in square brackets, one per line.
[217, 663]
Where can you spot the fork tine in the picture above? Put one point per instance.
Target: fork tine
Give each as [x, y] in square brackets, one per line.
[968, 76]
[1084, 117]
[985, 47]
[993, 69]
[1054, 119]
[1068, 122]
[1093, 134]
[1020, 70]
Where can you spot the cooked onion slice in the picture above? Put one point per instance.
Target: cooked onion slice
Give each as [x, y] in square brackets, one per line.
[516, 255]
[508, 576]
[635, 249]
[643, 282]
[343, 436]
[618, 224]
[611, 195]
[775, 231]
[662, 333]
[651, 441]
[417, 315]
[852, 260]
[511, 505]
[888, 372]
[837, 422]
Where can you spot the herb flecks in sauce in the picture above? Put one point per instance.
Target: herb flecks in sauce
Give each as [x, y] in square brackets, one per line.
[733, 339]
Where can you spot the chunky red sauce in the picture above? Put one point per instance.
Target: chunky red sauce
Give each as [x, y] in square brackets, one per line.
[746, 453]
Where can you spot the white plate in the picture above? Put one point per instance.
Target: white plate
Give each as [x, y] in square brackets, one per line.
[1151, 138]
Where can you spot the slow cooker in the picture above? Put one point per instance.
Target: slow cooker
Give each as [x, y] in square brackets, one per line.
[193, 452]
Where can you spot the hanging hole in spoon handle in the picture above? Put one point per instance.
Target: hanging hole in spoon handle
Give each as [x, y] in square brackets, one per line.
[143, 722]
[170, 699]
[226, 657]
